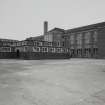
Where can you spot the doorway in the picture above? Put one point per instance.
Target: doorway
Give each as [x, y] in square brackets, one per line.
[17, 53]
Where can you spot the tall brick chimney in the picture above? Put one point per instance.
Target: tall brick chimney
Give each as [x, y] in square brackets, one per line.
[45, 27]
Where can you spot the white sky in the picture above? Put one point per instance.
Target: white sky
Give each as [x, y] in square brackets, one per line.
[20, 19]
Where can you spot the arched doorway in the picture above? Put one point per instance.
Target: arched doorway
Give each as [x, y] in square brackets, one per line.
[17, 53]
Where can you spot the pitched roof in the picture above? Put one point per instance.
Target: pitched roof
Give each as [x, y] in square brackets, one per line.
[41, 37]
[57, 29]
[88, 27]
[8, 40]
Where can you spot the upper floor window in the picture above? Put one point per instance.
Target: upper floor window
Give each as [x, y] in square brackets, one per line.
[58, 50]
[63, 43]
[58, 43]
[44, 49]
[95, 35]
[79, 39]
[49, 43]
[35, 43]
[52, 49]
[87, 37]
[40, 43]
[72, 39]
[38, 49]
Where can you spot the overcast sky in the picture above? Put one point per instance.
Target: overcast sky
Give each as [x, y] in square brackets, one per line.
[20, 19]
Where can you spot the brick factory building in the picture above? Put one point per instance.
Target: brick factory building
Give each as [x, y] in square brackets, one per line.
[83, 42]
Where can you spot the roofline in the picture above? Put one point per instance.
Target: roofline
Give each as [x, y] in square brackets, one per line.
[62, 30]
[88, 27]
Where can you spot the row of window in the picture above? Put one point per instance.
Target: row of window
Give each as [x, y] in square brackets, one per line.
[20, 43]
[6, 43]
[5, 49]
[87, 37]
[53, 50]
[86, 52]
[37, 43]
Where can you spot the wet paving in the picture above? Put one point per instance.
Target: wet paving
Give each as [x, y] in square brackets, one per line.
[52, 82]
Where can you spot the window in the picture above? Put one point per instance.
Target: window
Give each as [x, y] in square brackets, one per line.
[87, 37]
[58, 50]
[45, 43]
[40, 43]
[79, 39]
[72, 52]
[5, 49]
[64, 50]
[38, 49]
[58, 43]
[67, 50]
[95, 35]
[72, 39]
[35, 43]
[25, 49]
[52, 49]
[87, 52]
[63, 43]
[49, 43]
[95, 50]
[34, 49]
[44, 49]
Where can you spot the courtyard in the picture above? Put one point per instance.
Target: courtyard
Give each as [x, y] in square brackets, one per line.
[52, 82]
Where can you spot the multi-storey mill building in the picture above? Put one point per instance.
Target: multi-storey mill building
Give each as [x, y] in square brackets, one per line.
[84, 42]
[34, 47]
[87, 41]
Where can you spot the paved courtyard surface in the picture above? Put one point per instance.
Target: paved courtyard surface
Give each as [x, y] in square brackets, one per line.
[52, 82]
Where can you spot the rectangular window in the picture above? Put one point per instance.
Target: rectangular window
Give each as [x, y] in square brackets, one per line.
[87, 37]
[72, 51]
[44, 49]
[35, 43]
[72, 39]
[52, 50]
[79, 39]
[63, 43]
[40, 43]
[95, 35]
[95, 50]
[5, 49]
[58, 44]
[38, 49]
[25, 48]
[49, 43]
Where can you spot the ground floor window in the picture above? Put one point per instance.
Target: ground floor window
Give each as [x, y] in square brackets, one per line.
[58, 50]
[63, 43]
[95, 50]
[5, 49]
[44, 49]
[52, 50]
[25, 49]
[79, 52]
[87, 52]
[36, 49]
[64, 50]
[58, 43]
[72, 52]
